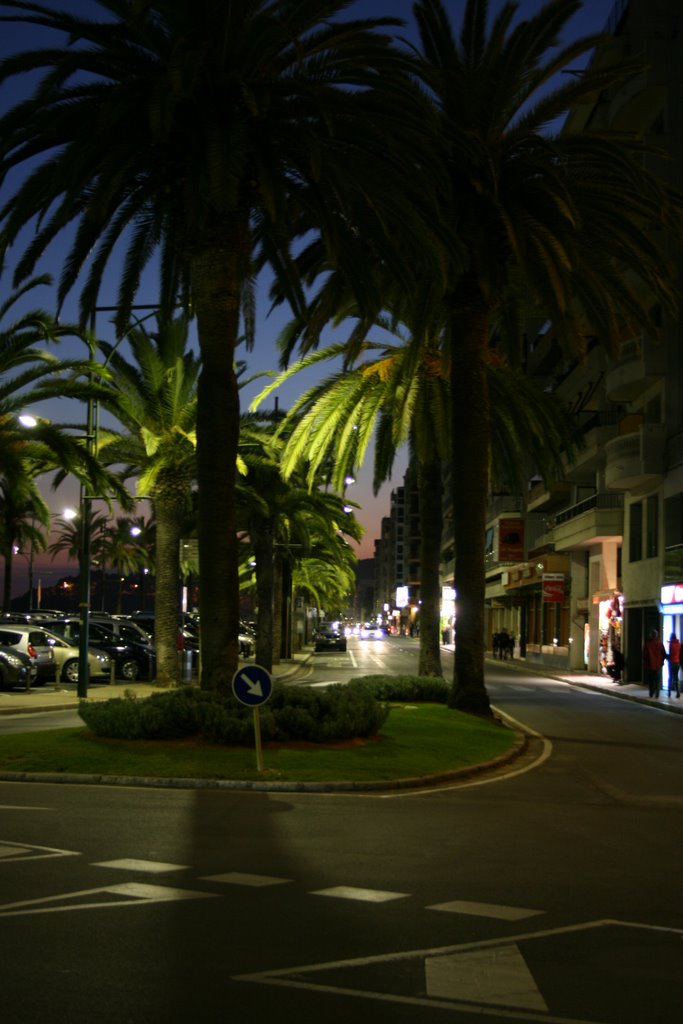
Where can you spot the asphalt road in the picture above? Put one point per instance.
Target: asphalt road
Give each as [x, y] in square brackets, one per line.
[552, 894]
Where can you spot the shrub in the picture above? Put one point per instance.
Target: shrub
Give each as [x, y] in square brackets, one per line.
[293, 713]
[402, 689]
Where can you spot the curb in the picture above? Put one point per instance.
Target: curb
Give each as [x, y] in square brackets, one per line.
[634, 698]
[519, 748]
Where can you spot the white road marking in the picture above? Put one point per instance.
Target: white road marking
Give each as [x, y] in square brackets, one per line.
[350, 892]
[131, 893]
[241, 878]
[493, 910]
[28, 851]
[23, 807]
[131, 864]
[499, 976]
[510, 981]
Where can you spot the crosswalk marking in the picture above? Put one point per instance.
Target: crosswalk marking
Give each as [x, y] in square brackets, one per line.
[240, 878]
[350, 892]
[494, 910]
[132, 864]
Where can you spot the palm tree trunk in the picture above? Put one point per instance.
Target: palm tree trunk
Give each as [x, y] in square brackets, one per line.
[216, 268]
[7, 587]
[430, 489]
[168, 511]
[470, 440]
[277, 609]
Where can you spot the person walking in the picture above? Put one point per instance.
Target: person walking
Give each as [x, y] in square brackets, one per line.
[654, 656]
[674, 664]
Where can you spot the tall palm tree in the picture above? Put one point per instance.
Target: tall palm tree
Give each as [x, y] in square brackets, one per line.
[119, 551]
[22, 514]
[401, 395]
[212, 133]
[565, 218]
[284, 521]
[153, 394]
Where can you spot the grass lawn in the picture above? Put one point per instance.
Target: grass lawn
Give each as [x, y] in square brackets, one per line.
[416, 740]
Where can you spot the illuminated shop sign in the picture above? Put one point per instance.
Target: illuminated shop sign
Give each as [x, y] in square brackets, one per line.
[672, 593]
[402, 598]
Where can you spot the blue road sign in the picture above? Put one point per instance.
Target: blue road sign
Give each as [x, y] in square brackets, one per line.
[252, 685]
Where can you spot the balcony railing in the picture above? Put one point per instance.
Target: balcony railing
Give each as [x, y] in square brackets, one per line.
[603, 500]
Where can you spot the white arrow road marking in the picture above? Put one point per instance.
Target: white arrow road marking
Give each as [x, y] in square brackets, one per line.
[255, 688]
[131, 893]
[28, 851]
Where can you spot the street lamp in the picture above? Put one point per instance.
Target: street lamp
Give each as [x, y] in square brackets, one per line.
[86, 506]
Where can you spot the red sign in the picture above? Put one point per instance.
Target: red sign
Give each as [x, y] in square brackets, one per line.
[511, 540]
[553, 588]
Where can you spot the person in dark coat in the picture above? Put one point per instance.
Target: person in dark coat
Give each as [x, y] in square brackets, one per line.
[654, 656]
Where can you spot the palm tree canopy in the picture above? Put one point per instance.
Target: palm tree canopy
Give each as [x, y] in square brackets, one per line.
[564, 212]
[196, 113]
[152, 392]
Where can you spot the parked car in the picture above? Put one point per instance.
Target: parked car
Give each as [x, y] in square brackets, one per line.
[67, 655]
[328, 638]
[188, 628]
[16, 669]
[34, 642]
[132, 659]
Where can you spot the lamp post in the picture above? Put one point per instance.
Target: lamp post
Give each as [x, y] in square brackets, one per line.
[85, 510]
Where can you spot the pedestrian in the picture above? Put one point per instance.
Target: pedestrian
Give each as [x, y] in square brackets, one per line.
[618, 663]
[674, 664]
[503, 641]
[654, 656]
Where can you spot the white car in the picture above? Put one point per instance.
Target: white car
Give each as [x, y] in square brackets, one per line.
[33, 641]
[66, 659]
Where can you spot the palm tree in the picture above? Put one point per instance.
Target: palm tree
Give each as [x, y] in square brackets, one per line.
[153, 394]
[401, 394]
[119, 550]
[21, 508]
[284, 521]
[225, 130]
[398, 394]
[32, 447]
[563, 218]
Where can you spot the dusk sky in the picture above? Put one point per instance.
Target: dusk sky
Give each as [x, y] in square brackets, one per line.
[592, 17]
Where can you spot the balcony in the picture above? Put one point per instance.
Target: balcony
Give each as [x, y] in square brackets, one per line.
[593, 521]
[641, 362]
[591, 458]
[542, 497]
[636, 461]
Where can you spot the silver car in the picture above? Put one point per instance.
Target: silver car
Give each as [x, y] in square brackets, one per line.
[66, 658]
[34, 642]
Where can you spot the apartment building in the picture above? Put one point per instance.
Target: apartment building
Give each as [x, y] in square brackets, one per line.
[603, 547]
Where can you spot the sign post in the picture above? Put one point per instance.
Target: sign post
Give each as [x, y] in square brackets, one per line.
[252, 686]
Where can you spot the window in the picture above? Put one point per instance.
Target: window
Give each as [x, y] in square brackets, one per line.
[635, 532]
[652, 526]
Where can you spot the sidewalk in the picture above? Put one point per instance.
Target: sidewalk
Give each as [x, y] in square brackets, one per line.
[64, 696]
[636, 692]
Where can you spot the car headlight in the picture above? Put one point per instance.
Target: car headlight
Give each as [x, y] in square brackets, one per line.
[12, 660]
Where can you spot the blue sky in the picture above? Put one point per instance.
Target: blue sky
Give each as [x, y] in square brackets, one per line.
[592, 17]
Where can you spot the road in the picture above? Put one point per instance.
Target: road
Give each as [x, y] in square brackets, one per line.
[550, 895]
